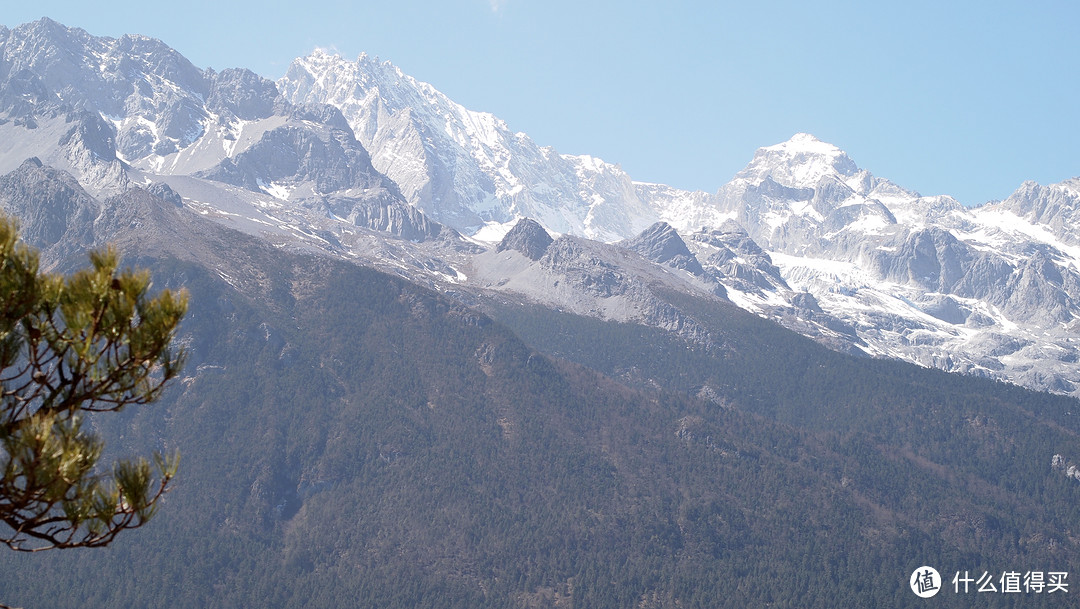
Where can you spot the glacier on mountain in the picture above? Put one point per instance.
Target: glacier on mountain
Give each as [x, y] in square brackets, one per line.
[463, 168]
[337, 149]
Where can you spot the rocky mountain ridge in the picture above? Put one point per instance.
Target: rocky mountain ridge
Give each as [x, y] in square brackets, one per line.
[360, 161]
[465, 168]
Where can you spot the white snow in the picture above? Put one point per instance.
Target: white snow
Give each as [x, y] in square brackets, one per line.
[805, 143]
[806, 208]
[871, 224]
[999, 228]
[278, 191]
[493, 232]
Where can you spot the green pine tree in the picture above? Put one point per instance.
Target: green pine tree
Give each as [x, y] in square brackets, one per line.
[94, 341]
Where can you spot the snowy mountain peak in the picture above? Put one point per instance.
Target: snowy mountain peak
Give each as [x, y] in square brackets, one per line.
[319, 57]
[1055, 207]
[465, 168]
[322, 61]
[801, 235]
[800, 162]
[368, 85]
[806, 142]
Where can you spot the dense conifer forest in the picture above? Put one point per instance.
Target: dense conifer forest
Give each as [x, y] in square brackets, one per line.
[350, 439]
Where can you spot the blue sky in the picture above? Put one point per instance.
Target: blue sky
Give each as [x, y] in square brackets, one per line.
[961, 98]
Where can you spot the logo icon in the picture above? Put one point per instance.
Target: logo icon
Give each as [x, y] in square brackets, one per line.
[925, 582]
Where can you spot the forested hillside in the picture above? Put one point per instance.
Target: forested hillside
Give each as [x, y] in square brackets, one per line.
[349, 439]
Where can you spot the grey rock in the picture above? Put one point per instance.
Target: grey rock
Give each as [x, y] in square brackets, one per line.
[528, 238]
[23, 95]
[1056, 206]
[733, 257]
[382, 212]
[242, 93]
[92, 133]
[805, 301]
[162, 191]
[841, 217]
[325, 154]
[54, 211]
[947, 309]
[662, 244]
[932, 258]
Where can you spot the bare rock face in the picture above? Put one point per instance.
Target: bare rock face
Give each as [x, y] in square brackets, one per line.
[933, 259]
[165, 193]
[327, 157]
[380, 211]
[1056, 207]
[242, 94]
[54, 212]
[528, 238]
[732, 258]
[661, 244]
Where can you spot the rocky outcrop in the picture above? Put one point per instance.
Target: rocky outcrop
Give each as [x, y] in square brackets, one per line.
[54, 211]
[1056, 207]
[661, 244]
[528, 238]
[382, 212]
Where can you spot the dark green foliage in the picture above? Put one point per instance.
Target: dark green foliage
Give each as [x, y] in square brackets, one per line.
[91, 342]
[353, 440]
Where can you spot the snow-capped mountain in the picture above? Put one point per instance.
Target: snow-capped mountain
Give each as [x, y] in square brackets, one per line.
[358, 160]
[463, 168]
[991, 290]
[1054, 208]
[126, 112]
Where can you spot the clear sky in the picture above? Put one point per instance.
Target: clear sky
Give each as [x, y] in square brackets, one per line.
[943, 97]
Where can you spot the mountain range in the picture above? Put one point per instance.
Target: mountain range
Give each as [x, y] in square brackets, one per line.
[802, 235]
[432, 363]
